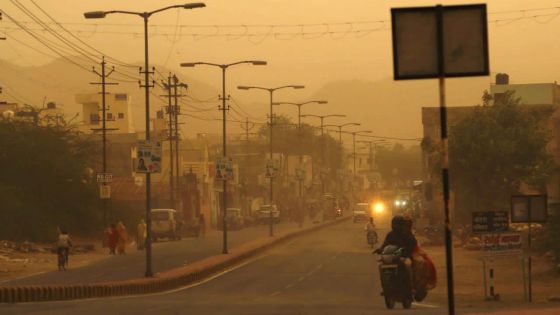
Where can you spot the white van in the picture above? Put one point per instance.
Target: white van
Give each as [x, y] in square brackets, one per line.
[164, 224]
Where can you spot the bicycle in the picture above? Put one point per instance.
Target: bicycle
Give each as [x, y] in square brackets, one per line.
[62, 255]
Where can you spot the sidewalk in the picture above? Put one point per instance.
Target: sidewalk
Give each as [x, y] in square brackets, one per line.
[166, 255]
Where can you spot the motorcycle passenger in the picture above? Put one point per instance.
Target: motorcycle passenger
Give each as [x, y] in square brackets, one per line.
[401, 236]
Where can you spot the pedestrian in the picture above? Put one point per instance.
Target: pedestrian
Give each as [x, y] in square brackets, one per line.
[122, 238]
[112, 238]
[202, 225]
[141, 234]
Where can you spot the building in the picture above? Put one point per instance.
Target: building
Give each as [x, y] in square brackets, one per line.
[118, 112]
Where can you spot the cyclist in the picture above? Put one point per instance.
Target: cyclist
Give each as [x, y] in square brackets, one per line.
[63, 245]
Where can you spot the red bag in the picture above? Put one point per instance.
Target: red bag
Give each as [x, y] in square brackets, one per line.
[424, 270]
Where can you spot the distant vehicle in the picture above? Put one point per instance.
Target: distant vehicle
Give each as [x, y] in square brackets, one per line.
[164, 224]
[264, 214]
[361, 212]
[234, 219]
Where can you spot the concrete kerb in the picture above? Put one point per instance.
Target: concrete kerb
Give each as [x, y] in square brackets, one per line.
[168, 280]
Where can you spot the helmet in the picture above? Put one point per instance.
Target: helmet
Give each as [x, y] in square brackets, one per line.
[398, 222]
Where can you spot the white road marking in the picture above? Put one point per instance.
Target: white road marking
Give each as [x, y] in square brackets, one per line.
[192, 285]
[289, 286]
[275, 293]
[425, 305]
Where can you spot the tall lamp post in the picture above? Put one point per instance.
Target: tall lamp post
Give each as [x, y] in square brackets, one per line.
[224, 67]
[300, 172]
[340, 129]
[354, 133]
[322, 118]
[271, 92]
[145, 16]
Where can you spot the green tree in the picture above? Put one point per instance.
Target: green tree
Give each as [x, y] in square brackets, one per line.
[45, 180]
[496, 149]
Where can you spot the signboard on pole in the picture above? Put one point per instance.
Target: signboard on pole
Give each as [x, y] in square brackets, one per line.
[529, 208]
[105, 192]
[224, 168]
[272, 167]
[502, 243]
[148, 155]
[300, 173]
[490, 221]
[418, 33]
[104, 177]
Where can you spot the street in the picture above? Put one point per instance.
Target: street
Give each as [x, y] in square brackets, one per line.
[166, 255]
[328, 272]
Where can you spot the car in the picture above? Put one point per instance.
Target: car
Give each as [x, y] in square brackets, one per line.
[263, 214]
[361, 212]
[235, 220]
[164, 224]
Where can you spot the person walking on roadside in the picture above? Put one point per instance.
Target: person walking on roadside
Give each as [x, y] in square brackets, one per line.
[63, 245]
[122, 238]
[112, 239]
[141, 234]
[202, 225]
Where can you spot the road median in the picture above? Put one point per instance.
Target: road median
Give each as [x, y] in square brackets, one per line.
[164, 281]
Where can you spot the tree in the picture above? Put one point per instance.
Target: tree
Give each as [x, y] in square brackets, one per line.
[496, 149]
[399, 164]
[45, 181]
[286, 139]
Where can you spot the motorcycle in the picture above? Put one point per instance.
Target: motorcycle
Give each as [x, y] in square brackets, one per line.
[371, 238]
[395, 278]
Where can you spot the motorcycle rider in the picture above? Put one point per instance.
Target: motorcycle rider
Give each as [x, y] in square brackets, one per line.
[370, 228]
[402, 237]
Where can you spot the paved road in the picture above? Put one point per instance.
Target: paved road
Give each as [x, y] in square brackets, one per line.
[328, 272]
[166, 255]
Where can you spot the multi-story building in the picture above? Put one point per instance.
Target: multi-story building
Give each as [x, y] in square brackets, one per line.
[118, 112]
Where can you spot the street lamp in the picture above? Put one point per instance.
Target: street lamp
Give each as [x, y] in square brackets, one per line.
[340, 129]
[354, 133]
[145, 16]
[224, 68]
[322, 118]
[271, 92]
[300, 179]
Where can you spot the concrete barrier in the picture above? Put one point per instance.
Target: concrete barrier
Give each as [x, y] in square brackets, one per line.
[168, 280]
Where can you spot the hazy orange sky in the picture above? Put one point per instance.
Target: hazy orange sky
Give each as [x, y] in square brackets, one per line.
[525, 48]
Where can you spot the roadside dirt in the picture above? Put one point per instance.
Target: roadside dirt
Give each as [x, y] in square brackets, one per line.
[21, 264]
[508, 280]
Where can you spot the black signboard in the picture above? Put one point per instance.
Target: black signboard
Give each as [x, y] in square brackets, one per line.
[529, 208]
[490, 221]
[429, 42]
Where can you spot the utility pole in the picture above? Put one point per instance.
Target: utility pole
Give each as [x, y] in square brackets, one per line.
[103, 75]
[176, 113]
[170, 139]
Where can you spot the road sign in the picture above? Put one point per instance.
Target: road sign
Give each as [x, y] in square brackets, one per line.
[490, 221]
[224, 168]
[105, 192]
[272, 167]
[104, 177]
[502, 243]
[148, 156]
[522, 205]
[450, 41]
[300, 173]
